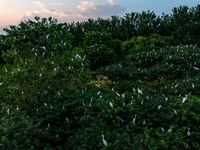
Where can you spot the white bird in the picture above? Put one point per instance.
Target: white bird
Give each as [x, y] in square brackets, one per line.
[67, 119]
[97, 85]
[144, 122]
[142, 102]
[193, 85]
[104, 141]
[17, 108]
[139, 91]
[1, 83]
[159, 107]
[111, 105]
[196, 68]
[170, 130]
[175, 111]
[184, 99]
[117, 94]
[8, 111]
[188, 132]
[134, 119]
[163, 130]
[123, 95]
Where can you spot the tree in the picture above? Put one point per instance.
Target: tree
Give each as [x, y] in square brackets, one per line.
[98, 50]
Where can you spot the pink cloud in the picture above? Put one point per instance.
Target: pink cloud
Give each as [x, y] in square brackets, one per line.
[85, 6]
[82, 11]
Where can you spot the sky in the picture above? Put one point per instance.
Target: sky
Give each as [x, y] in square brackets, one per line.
[12, 12]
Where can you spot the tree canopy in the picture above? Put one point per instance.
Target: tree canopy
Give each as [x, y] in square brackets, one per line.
[118, 83]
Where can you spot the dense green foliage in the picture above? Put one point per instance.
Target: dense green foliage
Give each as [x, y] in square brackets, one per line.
[135, 80]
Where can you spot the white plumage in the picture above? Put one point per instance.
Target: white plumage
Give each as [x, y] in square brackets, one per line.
[111, 105]
[139, 91]
[104, 141]
[184, 99]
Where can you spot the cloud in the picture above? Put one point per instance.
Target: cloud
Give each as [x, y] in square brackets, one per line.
[82, 11]
[112, 2]
[56, 4]
[85, 6]
[39, 4]
[29, 15]
[103, 10]
[92, 10]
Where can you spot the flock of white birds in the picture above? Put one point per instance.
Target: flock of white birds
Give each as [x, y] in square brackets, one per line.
[137, 90]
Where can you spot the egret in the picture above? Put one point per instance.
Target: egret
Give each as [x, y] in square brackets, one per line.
[139, 91]
[144, 122]
[8, 111]
[170, 130]
[117, 94]
[175, 111]
[134, 119]
[193, 85]
[140, 81]
[142, 102]
[17, 108]
[196, 68]
[1, 83]
[188, 132]
[67, 119]
[97, 85]
[184, 99]
[104, 141]
[159, 107]
[111, 105]
[163, 130]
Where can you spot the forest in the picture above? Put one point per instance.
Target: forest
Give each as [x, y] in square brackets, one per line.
[121, 83]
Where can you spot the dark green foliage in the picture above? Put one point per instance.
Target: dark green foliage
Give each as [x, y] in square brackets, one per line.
[97, 46]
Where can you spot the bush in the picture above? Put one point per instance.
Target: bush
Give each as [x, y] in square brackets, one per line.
[141, 43]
